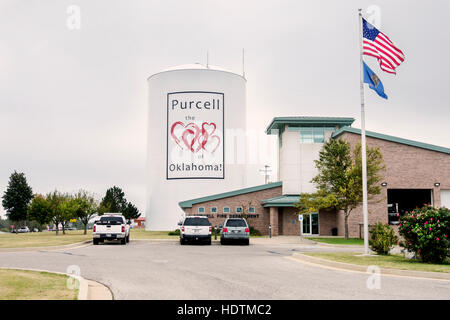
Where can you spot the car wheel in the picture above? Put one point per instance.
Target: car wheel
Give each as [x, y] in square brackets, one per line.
[123, 241]
[208, 242]
[222, 241]
[247, 242]
[95, 242]
[128, 238]
[181, 241]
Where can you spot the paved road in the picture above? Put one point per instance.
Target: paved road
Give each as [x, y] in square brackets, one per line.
[166, 270]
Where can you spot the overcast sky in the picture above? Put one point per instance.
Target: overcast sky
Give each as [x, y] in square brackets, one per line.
[73, 102]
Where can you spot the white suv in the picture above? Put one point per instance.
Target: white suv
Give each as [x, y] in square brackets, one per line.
[195, 228]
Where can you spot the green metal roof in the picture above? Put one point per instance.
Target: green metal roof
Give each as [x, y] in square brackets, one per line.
[189, 203]
[392, 139]
[287, 200]
[279, 122]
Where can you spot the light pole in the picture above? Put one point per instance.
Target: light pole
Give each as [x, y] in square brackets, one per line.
[266, 171]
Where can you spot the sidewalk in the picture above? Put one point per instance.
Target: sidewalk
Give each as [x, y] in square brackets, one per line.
[98, 291]
[364, 269]
[281, 240]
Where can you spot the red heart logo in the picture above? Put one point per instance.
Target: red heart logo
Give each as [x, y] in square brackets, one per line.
[208, 128]
[214, 137]
[178, 135]
[195, 138]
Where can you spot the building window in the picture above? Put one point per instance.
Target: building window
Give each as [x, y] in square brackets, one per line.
[251, 210]
[318, 135]
[221, 216]
[226, 209]
[252, 216]
[201, 210]
[239, 210]
[306, 135]
[213, 209]
[312, 134]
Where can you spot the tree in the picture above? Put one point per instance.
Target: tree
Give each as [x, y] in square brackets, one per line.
[63, 207]
[69, 208]
[114, 200]
[131, 212]
[87, 207]
[17, 197]
[339, 179]
[39, 209]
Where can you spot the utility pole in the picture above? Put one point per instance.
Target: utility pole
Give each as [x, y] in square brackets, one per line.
[266, 171]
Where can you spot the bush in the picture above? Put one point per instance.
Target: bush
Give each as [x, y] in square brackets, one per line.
[425, 231]
[254, 232]
[174, 233]
[382, 238]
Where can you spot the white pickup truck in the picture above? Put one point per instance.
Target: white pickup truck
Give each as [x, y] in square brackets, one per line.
[111, 226]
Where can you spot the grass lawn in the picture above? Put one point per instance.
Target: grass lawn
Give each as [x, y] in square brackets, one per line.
[351, 241]
[42, 239]
[142, 234]
[390, 262]
[31, 285]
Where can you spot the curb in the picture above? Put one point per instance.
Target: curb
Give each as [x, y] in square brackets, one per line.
[28, 249]
[441, 276]
[337, 245]
[83, 289]
[88, 289]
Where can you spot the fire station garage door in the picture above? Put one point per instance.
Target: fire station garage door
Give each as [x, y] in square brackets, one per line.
[445, 198]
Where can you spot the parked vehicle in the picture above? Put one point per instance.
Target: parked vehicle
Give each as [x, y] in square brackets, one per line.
[23, 230]
[236, 230]
[111, 226]
[195, 228]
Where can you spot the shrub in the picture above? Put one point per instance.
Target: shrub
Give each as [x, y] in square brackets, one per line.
[425, 231]
[382, 238]
[254, 232]
[174, 233]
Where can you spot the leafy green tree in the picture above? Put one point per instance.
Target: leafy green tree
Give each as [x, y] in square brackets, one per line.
[39, 210]
[5, 225]
[114, 201]
[62, 209]
[69, 208]
[17, 197]
[131, 212]
[87, 207]
[339, 179]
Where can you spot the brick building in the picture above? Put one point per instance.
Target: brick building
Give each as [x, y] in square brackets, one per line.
[416, 173]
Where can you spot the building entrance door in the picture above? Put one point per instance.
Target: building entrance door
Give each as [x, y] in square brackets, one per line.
[310, 224]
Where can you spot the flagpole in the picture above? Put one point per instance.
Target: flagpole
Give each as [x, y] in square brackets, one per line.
[363, 143]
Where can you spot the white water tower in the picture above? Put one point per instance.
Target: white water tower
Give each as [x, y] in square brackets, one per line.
[196, 138]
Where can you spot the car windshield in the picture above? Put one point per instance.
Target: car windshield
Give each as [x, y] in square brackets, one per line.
[196, 222]
[110, 220]
[236, 223]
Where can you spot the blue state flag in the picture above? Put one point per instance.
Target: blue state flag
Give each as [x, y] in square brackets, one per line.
[374, 82]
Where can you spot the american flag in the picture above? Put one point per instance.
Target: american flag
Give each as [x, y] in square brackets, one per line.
[378, 45]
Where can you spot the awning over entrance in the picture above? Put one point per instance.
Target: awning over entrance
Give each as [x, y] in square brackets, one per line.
[281, 201]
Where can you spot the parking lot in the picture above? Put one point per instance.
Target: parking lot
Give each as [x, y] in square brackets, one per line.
[166, 270]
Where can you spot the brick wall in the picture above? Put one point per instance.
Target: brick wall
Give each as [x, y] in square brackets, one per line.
[407, 167]
[290, 223]
[327, 221]
[260, 223]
